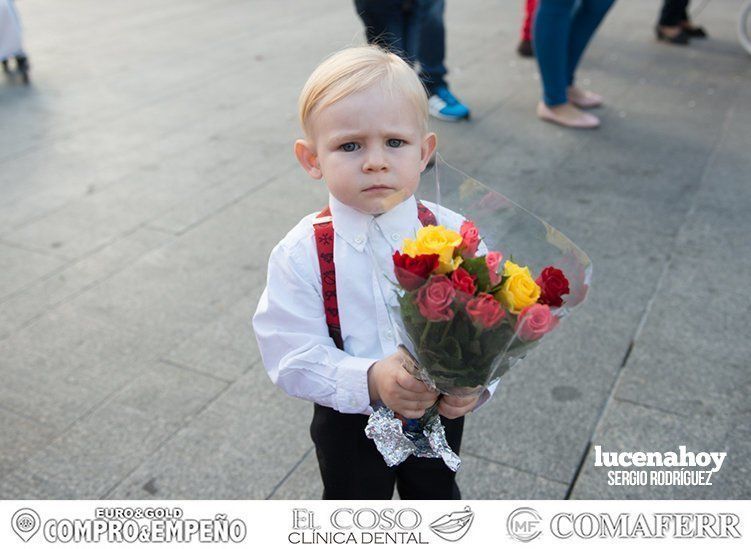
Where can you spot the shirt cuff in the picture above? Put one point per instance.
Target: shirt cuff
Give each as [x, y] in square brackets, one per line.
[352, 395]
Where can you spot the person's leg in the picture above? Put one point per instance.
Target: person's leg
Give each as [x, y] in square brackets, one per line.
[431, 50]
[525, 44]
[388, 25]
[587, 17]
[551, 34]
[529, 15]
[673, 11]
[669, 27]
[442, 104]
[551, 37]
[430, 478]
[350, 464]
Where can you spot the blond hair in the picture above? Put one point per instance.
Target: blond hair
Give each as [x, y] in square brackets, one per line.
[355, 69]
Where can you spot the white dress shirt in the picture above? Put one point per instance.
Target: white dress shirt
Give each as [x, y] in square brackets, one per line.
[290, 324]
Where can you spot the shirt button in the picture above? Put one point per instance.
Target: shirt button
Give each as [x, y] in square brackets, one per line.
[389, 334]
[359, 239]
[395, 236]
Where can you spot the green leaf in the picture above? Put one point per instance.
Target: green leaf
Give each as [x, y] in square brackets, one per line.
[479, 268]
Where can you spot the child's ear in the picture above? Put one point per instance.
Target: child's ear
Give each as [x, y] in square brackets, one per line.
[429, 144]
[306, 156]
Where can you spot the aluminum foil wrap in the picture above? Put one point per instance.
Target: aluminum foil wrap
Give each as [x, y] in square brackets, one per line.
[395, 445]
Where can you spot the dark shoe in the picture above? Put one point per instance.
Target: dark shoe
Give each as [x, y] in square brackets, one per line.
[694, 32]
[680, 39]
[524, 49]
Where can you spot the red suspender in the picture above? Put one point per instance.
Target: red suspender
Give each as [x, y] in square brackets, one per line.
[324, 235]
[425, 216]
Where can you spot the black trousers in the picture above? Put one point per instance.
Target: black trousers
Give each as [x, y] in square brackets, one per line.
[352, 468]
[673, 12]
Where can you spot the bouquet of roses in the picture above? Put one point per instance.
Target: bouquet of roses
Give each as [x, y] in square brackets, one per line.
[462, 309]
[465, 313]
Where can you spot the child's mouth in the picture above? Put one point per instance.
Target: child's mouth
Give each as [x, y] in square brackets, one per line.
[376, 188]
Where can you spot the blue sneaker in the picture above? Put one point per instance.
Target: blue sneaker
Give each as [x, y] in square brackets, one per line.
[444, 106]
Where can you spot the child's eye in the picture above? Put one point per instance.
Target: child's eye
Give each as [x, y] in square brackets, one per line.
[349, 147]
[395, 143]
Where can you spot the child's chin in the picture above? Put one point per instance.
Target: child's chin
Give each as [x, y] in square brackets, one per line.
[373, 209]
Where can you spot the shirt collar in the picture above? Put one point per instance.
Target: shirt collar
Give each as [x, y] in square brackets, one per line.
[353, 226]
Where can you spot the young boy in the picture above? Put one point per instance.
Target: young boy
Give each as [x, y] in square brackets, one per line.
[328, 338]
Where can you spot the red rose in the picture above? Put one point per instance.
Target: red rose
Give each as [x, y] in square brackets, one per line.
[434, 299]
[485, 312]
[553, 284]
[464, 284]
[470, 239]
[413, 272]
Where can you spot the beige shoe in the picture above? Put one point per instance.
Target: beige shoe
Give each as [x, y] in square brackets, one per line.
[584, 99]
[567, 115]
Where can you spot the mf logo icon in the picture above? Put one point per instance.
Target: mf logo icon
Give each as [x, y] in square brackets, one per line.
[523, 524]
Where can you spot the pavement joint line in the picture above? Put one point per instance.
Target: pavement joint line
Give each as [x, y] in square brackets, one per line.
[71, 262]
[80, 291]
[22, 415]
[239, 198]
[181, 425]
[579, 468]
[102, 187]
[210, 80]
[148, 225]
[660, 281]
[289, 473]
[35, 249]
[658, 408]
[65, 429]
[192, 370]
[509, 466]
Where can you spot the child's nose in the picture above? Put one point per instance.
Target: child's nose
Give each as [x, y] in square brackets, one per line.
[375, 161]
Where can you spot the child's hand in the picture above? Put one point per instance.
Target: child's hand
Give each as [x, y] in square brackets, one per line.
[452, 407]
[389, 382]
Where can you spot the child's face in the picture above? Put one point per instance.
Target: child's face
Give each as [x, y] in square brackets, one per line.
[369, 148]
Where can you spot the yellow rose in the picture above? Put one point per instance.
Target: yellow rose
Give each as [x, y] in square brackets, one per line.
[435, 239]
[519, 290]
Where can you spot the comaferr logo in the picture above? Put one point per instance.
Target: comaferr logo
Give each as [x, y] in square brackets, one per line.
[523, 524]
[641, 525]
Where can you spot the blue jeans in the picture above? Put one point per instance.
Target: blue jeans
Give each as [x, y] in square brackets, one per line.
[411, 28]
[562, 30]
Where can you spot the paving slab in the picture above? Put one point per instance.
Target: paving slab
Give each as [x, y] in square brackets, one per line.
[240, 447]
[104, 446]
[630, 427]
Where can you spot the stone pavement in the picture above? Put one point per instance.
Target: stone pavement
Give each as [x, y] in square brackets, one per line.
[146, 174]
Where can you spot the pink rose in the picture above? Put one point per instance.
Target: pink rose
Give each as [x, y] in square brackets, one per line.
[470, 239]
[434, 299]
[493, 260]
[534, 322]
[485, 312]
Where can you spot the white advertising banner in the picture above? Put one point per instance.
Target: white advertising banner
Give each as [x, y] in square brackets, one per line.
[468, 523]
